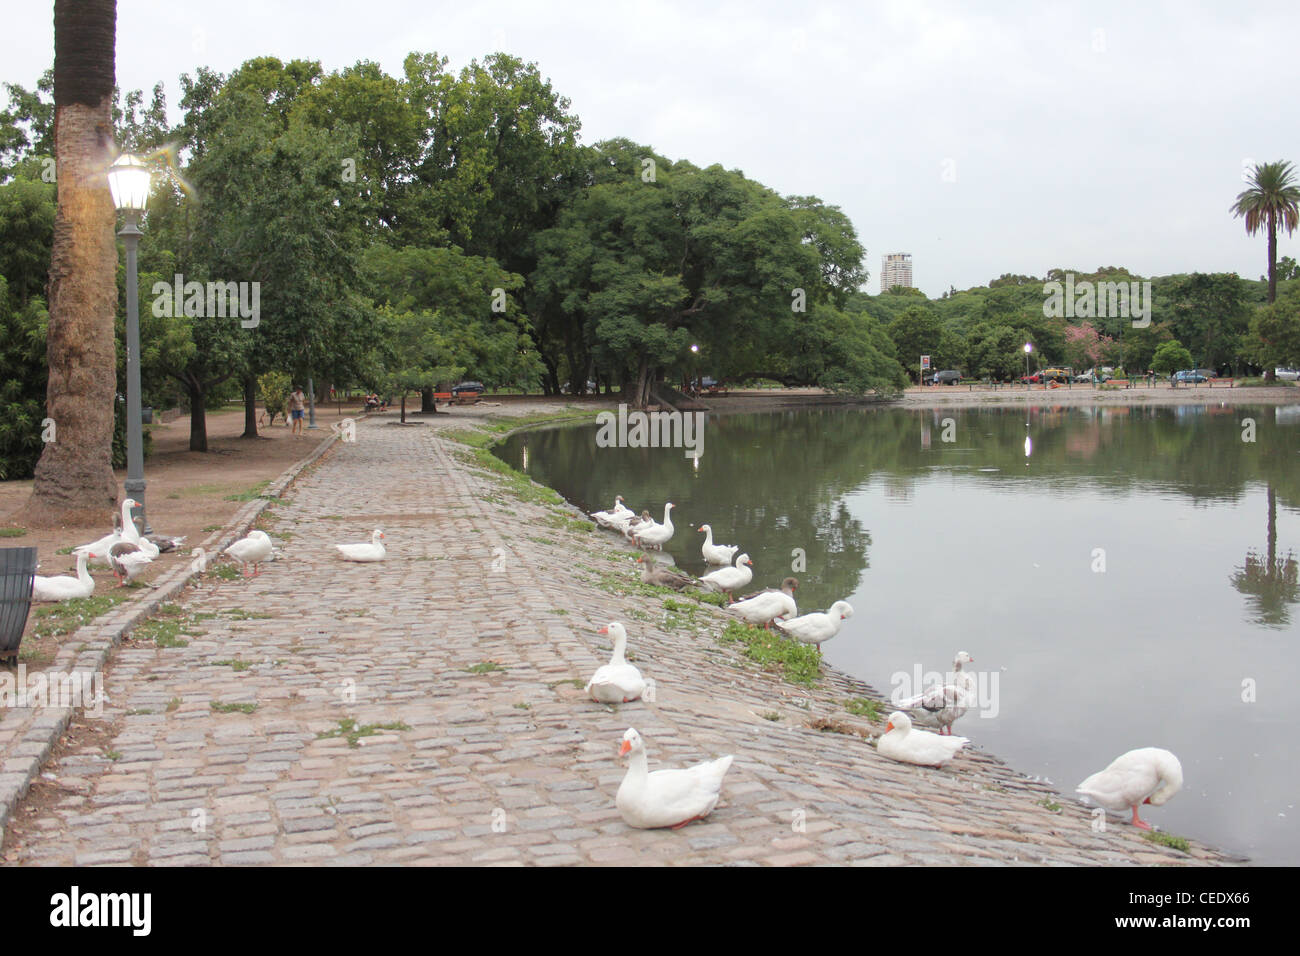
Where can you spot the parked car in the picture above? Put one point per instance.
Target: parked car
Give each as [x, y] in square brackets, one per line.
[466, 388]
[947, 377]
[1056, 374]
[1092, 376]
[1207, 372]
[1286, 374]
[1188, 377]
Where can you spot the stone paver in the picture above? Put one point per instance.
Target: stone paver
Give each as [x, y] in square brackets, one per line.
[504, 766]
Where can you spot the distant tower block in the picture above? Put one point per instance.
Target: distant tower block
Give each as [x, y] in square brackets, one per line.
[895, 269]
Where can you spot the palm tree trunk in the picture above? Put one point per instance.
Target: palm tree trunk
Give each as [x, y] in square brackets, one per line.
[75, 473]
[1272, 258]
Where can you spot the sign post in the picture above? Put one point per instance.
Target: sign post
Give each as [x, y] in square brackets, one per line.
[925, 364]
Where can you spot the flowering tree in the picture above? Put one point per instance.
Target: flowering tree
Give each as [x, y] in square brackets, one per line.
[1085, 346]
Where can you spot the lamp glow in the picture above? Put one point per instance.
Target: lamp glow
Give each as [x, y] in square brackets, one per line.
[129, 180]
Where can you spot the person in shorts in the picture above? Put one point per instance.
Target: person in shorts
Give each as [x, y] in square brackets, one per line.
[297, 408]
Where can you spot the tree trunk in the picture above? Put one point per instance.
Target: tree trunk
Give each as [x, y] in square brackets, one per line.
[1272, 258]
[198, 417]
[641, 396]
[403, 408]
[250, 406]
[427, 404]
[75, 472]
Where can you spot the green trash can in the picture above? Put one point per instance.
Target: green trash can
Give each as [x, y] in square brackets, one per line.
[17, 568]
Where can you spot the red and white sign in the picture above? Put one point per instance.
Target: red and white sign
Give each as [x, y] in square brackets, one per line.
[925, 362]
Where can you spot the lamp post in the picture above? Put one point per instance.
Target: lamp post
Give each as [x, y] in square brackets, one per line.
[129, 180]
[1029, 347]
[695, 363]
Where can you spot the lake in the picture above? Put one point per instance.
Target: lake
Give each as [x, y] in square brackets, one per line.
[1123, 577]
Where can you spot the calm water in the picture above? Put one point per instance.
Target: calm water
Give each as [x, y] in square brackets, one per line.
[992, 546]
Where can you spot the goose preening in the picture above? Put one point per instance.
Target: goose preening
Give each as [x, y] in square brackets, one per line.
[615, 518]
[657, 535]
[727, 580]
[120, 524]
[633, 523]
[903, 743]
[819, 626]
[716, 553]
[766, 606]
[127, 561]
[666, 798]
[252, 549]
[947, 702]
[65, 587]
[374, 551]
[652, 573]
[1149, 775]
[618, 681]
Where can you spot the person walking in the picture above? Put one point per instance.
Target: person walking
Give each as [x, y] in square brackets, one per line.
[297, 407]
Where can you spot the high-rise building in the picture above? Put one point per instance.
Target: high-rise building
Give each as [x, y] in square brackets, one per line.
[895, 269]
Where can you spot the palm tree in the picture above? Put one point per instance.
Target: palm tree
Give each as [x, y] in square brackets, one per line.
[1273, 199]
[75, 473]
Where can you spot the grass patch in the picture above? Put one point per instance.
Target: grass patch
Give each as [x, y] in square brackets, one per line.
[523, 706]
[1047, 803]
[234, 665]
[1260, 383]
[12, 532]
[770, 715]
[864, 707]
[353, 732]
[1168, 839]
[167, 628]
[212, 527]
[113, 755]
[251, 493]
[225, 572]
[138, 711]
[173, 704]
[66, 616]
[484, 667]
[239, 614]
[223, 708]
[711, 597]
[571, 681]
[798, 663]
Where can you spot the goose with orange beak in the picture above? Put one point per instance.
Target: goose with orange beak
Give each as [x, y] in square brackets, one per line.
[906, 745]
[618, 681]
[666, 798]
[1148, 775]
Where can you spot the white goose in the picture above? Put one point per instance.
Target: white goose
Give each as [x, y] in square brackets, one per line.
[252, 549]
[374, 551]
[666, 798]
[616, 517]
[1149, 775]
[618, 681]
[657, 535]
[819, 626]
[64, 587]
[728, 580]
[902, 743]
[716, 553]
[765, 607]
[947, 702]
[100, 547]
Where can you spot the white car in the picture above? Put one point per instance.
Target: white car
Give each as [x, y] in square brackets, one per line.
[1287, 374]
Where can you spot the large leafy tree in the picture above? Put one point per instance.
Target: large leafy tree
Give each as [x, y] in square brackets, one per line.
[74, 475]
[1208, 314]
[1271, 200]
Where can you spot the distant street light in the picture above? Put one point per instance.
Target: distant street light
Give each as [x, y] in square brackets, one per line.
[129, 180]
[1029, 347]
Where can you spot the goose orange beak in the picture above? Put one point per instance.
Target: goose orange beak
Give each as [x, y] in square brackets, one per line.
[1147, 800]
[622, 751]
[889, 726]
[603, 630]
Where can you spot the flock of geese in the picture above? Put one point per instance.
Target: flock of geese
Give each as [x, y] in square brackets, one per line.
[674, 798]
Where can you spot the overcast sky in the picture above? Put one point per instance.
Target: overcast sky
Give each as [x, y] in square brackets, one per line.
[1017, 139]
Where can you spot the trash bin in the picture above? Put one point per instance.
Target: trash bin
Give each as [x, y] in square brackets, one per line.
[17, 566]
[146, 415]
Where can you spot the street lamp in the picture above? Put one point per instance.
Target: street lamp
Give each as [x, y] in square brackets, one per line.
[1029, 347]
[695, 355]
[129, 180]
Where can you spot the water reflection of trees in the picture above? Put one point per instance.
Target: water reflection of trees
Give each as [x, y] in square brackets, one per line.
[1269, 581]
[748, 483]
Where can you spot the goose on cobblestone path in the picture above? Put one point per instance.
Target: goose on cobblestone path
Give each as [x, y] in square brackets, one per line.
[666, 798]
